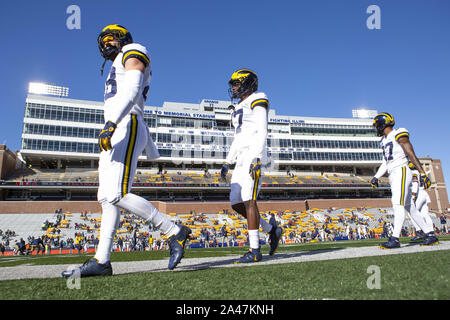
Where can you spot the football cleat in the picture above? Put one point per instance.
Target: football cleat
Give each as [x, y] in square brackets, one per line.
[253, 255]
[90, 268]
[381, 121]
[392, 243]
[430, 239]
[274, 238]
[176, 246]
[420, 235]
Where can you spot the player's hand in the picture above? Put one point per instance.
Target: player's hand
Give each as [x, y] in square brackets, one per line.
[425, 181]
[414, 197]
[374, 182]
[255, 168]
[104, 138]
[224, 171]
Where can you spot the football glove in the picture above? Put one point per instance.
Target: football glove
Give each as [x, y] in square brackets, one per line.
[255, 168]
[104, 138]
[425, 181]
[374, 182]
[224, 171]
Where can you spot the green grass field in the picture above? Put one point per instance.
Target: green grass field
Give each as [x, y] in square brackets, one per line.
[424, 275]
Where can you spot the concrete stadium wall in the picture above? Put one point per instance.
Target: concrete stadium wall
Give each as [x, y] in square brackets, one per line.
[185, 207]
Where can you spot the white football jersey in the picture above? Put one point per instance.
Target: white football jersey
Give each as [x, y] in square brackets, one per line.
[393, 153]
[117, 73]
[245, 122]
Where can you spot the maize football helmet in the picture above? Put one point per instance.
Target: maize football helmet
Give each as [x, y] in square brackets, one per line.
[113, 31]
[381, 121]
[248, 81]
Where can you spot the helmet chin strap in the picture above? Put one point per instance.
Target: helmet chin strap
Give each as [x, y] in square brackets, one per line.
[103, 67]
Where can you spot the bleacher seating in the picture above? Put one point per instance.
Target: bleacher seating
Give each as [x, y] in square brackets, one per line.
[336, 220]
[184, 177]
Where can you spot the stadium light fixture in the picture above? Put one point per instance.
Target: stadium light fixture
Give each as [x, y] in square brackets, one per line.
[44, 88]
[364, 113]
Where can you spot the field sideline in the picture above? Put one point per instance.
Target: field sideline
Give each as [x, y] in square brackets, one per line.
[344, 270]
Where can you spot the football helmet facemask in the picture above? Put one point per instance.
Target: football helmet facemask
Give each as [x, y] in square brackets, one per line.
[381, 121]
[113, 31]
[109, 33]
[248, 83]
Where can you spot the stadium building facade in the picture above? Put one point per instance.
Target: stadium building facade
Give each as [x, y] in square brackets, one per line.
[309, 154]
[60, 133]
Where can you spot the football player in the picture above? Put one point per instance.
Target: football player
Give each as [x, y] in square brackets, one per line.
[249, 153]
[122, 140]
[397, 150]
[421, 200]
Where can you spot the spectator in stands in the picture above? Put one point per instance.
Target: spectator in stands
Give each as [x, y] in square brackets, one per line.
[443, 220]
[206, 237]
[120, 243]
[224, 234]
[37, 244]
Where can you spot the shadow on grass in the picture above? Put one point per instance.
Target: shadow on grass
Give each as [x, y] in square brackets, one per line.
[283, 257]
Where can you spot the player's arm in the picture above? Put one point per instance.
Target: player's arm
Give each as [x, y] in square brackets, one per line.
[230, 159]
[380, 172]
[407, 147]
[259, 140]
[120, 105]
[231, 156]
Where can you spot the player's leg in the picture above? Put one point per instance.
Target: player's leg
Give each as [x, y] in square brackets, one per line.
[249, 193]
[398, 182]
[110, 222]
[419, 217]
[420, 235]
[119, 170]
[252, 223]
[143, 208]
[241, 209]
[422, 207]
[422, 212]
[240, 186]
[176, 235]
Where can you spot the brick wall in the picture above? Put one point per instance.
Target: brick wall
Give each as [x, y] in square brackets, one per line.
[7, 161]
[185, 207]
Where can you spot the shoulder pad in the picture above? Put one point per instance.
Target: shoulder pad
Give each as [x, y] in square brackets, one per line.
[401, 132]
[259, 99]
[135, 50]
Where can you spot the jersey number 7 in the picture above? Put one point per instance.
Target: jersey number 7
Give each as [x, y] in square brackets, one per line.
[387, 151]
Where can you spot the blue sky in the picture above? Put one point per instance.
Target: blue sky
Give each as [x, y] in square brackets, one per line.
[313, 57]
